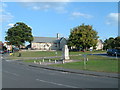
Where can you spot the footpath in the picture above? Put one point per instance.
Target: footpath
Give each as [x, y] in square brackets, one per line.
[85, 72]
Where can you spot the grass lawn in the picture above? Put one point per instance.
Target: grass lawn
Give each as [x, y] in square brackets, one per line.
[95, 63]
[91, 57]
[37, 53]
[49, 53]
[87, 52]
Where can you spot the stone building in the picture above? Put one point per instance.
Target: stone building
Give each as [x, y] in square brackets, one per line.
[48, 43]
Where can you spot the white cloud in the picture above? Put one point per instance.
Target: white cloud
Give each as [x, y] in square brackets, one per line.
[78, 15]
[10, 24]
[4, 15]
[112, 19]
[46, 6]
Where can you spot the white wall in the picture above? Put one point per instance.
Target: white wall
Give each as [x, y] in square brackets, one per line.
[44, 46]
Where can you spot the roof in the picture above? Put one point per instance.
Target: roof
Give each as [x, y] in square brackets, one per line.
[1, 43]
[100, 40]
[44, 39]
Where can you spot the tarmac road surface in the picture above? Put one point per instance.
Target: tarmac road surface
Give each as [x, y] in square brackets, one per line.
[15, 75]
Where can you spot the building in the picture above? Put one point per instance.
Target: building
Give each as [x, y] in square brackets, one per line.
[9, 47]
[99, 45]
[55, 43]
[1, 45]
[48, 43]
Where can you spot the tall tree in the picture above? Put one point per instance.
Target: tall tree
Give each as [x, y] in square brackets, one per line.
[109, 43]
[83, 36]
[112, 43]
[19, 34]
[117, 42]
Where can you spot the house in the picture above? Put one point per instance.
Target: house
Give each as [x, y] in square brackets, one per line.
[99, 45]
[1, 45]
[48, 43]
[9, 47]
[55, 43]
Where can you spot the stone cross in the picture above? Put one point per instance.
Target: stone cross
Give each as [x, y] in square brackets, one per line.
[66, 53]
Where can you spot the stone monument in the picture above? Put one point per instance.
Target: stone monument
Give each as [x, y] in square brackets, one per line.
[65, 53]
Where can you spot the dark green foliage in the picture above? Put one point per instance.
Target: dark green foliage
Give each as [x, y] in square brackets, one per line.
[112, 43]
[4, 48]
[83, 37]
[19, 34]
[117, 42]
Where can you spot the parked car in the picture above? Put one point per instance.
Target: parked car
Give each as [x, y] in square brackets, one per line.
[113, 52]
[1, 52]
[15, 49]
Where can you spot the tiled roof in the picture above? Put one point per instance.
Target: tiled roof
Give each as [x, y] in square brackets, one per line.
[45, 39]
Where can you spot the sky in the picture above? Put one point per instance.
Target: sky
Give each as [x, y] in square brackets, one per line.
[49, 18]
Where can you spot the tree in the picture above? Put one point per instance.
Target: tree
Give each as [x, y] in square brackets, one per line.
[117, 42]
[109, 43]
[19, 34]
[112, 43]
[4, 48]
[83, 37]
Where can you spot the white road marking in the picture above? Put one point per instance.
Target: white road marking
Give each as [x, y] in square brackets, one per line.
[56, 83]
[9, 60]
[11, 73]
[64, 72]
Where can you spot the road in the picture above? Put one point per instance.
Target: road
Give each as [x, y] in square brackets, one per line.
[16, 75]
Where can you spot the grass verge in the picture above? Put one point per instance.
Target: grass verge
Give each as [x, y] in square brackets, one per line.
[94, 63]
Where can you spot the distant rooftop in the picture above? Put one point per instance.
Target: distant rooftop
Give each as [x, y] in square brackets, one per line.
[44, 39]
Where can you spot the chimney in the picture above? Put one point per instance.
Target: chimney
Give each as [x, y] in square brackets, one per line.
[58, 36]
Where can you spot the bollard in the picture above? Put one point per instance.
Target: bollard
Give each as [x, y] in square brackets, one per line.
[63, 62]
[49, 60]
[55, 61]
[34, 61]
[86, 59]
[43, 60]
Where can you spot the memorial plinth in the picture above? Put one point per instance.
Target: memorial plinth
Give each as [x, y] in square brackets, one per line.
[66, 53]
